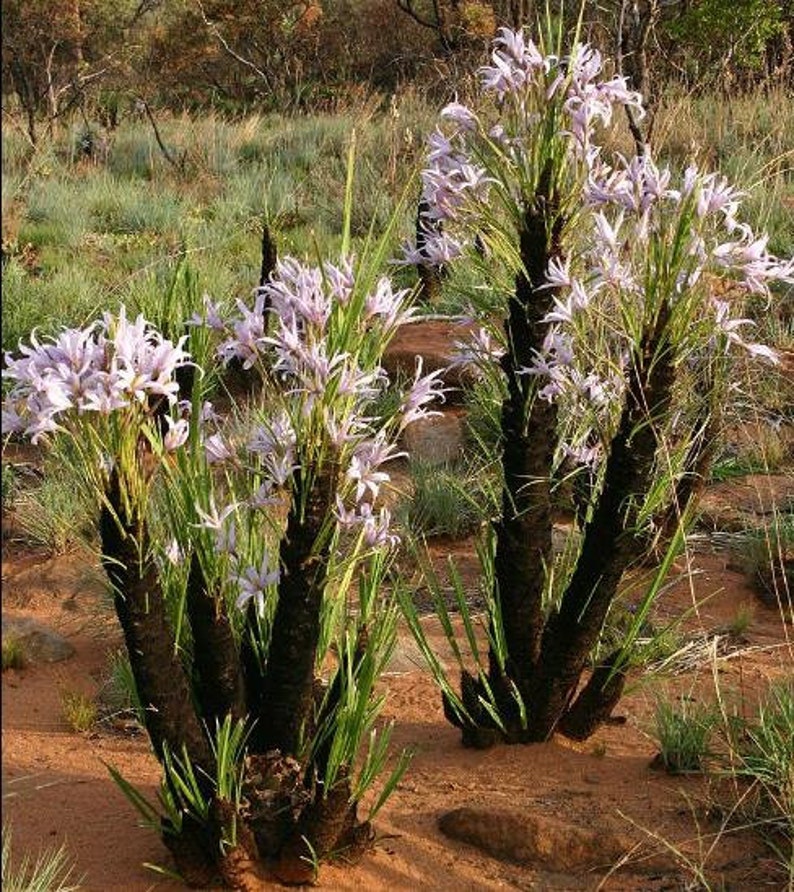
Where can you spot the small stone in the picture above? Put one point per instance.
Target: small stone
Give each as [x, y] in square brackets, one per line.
[39, 643]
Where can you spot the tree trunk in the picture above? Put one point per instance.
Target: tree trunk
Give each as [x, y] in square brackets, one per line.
[160, 677]
[289, 677]
[216, 661]
[611, 540]
[523, 535]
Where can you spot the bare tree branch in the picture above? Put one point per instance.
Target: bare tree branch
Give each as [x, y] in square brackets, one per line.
[235, 55]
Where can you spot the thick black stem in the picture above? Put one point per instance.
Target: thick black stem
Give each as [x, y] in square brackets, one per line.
[524, 533]
[216, 661]
[269, 257]
[594, 704]
[328, 824]
[160, 677]
[289, 679]
[611, 540]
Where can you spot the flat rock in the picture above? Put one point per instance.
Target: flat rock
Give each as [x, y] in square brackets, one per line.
[437, 439]
[532, 839]
[433, 340]
[39, 643]
[746, 502]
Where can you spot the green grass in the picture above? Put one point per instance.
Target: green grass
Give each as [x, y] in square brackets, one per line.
[757, 757]
[14, 656]
[97, 228]
[78, 710]
[765, 556]
[82, 237]
[50, 872]
[119, 693]
[683, 733]
[448, 500]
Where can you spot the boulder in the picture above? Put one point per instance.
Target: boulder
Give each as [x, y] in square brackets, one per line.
[39, 643]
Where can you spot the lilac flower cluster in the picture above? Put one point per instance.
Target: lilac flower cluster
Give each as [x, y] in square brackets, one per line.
[320, 336]
[650, 239]
[475, 155]
[111, 365]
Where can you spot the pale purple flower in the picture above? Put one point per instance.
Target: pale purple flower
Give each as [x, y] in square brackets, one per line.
[177, 433]
[217, 450]
[264, 497]
[208, 413]
[105, 397]
[226, 539]
[296, 292]
[211, 318]
[253, 584]
[440, 148]
[750, 258]
[424, 390]
[280, 467]
[220, 524]
[96, 369]
[345, 517]
[368, 456]
[340, 280]
[375, 528]
[275, 434]
[479, 349]
[564, 310]
[558, 273]
[438, 249]
[344, 429]
[366, 477]
[730, 328]
[248, 332]
[173, 553]
[387, 304]
[13, 422]
[588, 456]
[353, 381]
[516, 63]
[718, 196]
[213, 519]
[461, 115]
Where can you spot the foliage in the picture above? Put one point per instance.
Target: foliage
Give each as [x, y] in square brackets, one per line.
[51, 871]
[715, 38]
[683, 735]
[765, 555]
[14, 656]
[756, 756]
[79, 710]
[106, 61]
[119, 694]
[54, 515]
[449, 500]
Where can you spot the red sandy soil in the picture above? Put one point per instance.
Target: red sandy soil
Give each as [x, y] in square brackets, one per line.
[56, 788]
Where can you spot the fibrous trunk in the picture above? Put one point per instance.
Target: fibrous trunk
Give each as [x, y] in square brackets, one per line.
[160, 677]
[523, 540]
[611, 542]
[289, 678]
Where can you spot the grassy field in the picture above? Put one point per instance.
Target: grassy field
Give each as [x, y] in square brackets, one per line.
[84, 233]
